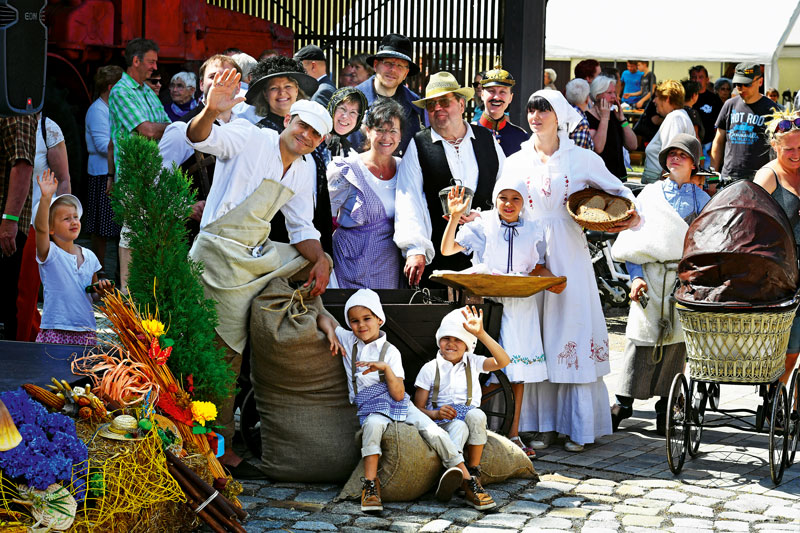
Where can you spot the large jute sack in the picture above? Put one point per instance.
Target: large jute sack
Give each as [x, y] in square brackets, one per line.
[409, 468]
[307, 422]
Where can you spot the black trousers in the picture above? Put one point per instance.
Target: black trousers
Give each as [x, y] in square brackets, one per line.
[9, 278]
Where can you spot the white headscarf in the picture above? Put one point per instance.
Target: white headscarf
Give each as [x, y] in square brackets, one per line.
[453, 326]
[365, 298]
[566, 115]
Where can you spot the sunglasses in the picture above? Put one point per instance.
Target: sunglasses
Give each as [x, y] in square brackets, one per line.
[737, 85]
[785, 125]
[155, 81]
[476, 84]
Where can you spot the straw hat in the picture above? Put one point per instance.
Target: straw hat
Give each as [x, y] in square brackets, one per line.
[121, 426]
[443, 83]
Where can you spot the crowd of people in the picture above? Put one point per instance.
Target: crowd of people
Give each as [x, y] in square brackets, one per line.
[356, 173]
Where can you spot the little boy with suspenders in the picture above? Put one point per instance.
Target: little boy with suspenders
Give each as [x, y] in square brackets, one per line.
[448, 391]
[375, 379]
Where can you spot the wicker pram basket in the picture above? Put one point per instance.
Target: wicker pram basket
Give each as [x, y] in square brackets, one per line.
[737, 347]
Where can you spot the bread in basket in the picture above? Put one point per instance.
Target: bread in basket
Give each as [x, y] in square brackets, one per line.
[598, 210]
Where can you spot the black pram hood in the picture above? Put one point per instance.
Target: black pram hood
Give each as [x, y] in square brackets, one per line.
[740, 251]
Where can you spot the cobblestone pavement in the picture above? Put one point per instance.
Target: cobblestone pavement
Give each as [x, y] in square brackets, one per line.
[620, 484]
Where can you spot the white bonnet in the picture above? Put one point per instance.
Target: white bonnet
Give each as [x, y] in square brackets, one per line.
[453, 326]
[510, 181]
[365, 298]
[567, 117]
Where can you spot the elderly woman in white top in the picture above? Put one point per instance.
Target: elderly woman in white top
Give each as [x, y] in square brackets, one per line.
[668, 100]
[575, 400]
[182, 87]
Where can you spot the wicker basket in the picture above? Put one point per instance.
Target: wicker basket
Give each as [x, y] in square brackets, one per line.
[731, 347]
[575, 200]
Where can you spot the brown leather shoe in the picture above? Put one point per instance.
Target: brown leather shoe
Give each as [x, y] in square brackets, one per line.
[371, 495]
[476, 496]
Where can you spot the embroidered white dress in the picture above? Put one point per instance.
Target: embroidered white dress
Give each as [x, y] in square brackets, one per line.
[520, 335]
[575, 400]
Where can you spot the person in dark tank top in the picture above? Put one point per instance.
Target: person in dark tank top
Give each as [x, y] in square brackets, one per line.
[781, 178]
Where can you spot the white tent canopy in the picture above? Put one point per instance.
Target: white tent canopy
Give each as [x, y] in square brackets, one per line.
[681, 30]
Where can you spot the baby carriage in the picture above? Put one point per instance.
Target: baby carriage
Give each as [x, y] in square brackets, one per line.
[737, 297]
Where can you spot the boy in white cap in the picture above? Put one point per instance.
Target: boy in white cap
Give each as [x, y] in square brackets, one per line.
[375, 377]
[448, 391]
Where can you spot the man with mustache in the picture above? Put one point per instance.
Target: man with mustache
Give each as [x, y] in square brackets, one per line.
[450, 149]
[258, 172]
[497, 85]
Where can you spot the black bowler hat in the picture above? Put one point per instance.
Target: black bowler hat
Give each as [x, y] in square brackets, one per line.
[311, 52]
[396, 46]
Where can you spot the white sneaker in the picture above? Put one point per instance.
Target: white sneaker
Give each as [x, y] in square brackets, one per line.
[573, 446]
[448, 484]
[541, 441]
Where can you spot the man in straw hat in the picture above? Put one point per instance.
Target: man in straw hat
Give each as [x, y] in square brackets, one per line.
[498, 91]
[392, 64]
[258, 172]
[450, 149]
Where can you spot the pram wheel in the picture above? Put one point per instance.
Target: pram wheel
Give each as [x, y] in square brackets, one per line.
[698, 394]
[678, 408]
[778, 431]
[794, 420]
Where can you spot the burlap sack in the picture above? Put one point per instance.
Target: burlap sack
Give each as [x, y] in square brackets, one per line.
[409, 468]
[307, 422]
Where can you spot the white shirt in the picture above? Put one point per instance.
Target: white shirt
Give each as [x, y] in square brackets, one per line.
[98, 135]
[412, 212]
[246, 155]
[40, 164]
[173, 145]
[676, 121]
[452, 379]
[367, 352]
[67, 306]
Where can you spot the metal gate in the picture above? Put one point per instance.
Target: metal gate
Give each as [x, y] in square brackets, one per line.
[462, 37]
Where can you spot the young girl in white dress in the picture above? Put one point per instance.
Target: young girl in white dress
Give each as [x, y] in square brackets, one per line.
[506, 240]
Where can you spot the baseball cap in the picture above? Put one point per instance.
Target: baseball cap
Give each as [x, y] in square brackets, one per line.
[311, 52]
[746, 72]
[313, 114]
[65, 198]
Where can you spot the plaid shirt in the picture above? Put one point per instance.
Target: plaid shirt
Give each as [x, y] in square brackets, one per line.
[580, 135]
[17, 141]
[130, 104]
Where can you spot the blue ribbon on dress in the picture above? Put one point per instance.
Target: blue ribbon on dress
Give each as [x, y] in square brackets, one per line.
[510, 231]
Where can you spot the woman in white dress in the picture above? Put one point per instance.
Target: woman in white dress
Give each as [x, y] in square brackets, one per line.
[574, 399]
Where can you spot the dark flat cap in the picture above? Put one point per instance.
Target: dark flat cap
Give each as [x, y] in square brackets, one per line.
[311, 52]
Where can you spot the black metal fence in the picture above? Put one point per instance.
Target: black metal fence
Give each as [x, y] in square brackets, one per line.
[462, 37]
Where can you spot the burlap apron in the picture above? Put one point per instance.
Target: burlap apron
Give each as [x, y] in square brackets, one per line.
[239, 259]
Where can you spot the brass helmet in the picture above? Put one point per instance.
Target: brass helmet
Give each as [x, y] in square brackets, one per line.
[498, 76]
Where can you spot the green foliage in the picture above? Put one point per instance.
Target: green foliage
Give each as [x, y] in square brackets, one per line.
[155, 203]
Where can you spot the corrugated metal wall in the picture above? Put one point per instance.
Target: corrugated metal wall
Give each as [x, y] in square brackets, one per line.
[460, 36]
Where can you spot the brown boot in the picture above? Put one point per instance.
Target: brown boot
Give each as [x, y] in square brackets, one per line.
[371, 495]
[476, 496]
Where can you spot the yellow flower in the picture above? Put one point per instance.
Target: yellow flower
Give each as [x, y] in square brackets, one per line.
[153, 327]
[203, 412]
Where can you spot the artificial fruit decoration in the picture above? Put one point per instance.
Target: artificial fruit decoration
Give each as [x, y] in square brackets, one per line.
[9, 435]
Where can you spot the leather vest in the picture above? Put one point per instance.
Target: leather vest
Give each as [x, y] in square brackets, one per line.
[436, 176]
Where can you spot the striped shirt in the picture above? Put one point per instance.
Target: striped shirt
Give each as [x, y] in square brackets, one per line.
[130, 104]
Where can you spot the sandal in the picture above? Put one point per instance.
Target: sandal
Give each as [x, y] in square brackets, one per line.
[530, 452]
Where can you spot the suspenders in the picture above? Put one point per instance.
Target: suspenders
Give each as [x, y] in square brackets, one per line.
[353, 361]
[436, 386]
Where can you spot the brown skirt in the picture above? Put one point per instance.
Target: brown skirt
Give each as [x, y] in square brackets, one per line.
[641, 378]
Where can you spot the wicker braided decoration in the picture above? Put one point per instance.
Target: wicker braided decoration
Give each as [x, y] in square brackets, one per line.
[728, 347]
[605, 220]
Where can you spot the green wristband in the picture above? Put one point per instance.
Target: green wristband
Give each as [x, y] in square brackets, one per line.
[625, 124]
[6, 216]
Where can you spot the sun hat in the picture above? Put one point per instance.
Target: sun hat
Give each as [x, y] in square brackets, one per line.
[683, 141]
[306, 83]
[312, 114]
[395, 46]
[120, 427]
[67, 198]
[453, 326]
[365, 298]
[443, 83]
